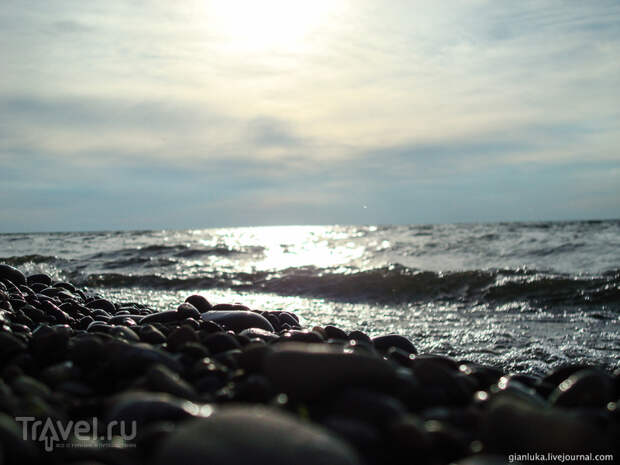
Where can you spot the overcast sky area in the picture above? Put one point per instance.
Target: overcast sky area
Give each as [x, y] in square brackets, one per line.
[196, 114]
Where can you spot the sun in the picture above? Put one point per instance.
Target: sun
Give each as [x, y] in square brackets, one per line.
[268, 25]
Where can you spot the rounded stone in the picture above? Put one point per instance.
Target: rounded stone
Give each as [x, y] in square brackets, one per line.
[68, 286]
[229, 307]
[161, 317]
[188, 310]
[220, 342]
[515, 424]
[383, 343]
[102, 304]
[123, 332]
[333, 332]
[162, 379]
[360, 336]
[199, 302]
[10, 345]
[586, 388]
[12, 274]
[238, 320]
[306, 370]
[180, 336]
[295, 335]
[257, 435]
[266, 336]
[152, 335]
[40, 278]
[146, 407]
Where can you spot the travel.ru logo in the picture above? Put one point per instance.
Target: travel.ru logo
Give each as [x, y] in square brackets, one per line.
[57, 433]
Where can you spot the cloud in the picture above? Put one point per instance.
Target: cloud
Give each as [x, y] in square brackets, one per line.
[425, 111]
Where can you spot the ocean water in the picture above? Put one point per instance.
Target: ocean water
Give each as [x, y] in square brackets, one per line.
[524, 296]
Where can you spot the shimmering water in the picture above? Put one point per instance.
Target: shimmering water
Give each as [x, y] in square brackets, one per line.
[523, 295]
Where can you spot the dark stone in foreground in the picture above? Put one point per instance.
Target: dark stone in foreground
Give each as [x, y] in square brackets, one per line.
[12, 274]
[254, 435]
[308, 370]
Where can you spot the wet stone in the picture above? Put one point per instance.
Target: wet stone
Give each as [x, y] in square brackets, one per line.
[85, 349]
[12, 274]
[38, 287]
[289, 319]
[309, 370]
[236, 435]
[585, 388]
[10, 345]
[179, 337]
[559, 374]
[512, 424]
[68, 286]
[102, 304]
[49, 343]
[39, 279]
[123, 320]
[360, 336]
[161, 317]
[26, 386]
[152, 335]
[188, 310]
[229, 307]
[367, 405]
[301, 336]
[238, 320]
[383, 343]
[220, 342]
[162, 379]
[147, 407]
[131, 359]
[263, 334]
[332, 332]
[123, 332]
[199, 302]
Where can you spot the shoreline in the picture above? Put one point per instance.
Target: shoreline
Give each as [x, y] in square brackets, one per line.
[248, 377]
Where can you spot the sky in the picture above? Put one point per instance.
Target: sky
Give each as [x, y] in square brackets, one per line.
[197, 113]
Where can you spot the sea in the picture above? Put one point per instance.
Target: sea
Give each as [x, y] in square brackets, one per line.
[526, 297]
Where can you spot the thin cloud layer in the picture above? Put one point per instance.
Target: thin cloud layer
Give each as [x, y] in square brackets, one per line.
[159, 115]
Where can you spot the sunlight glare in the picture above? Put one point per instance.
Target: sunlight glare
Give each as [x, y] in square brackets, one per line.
[254, 26]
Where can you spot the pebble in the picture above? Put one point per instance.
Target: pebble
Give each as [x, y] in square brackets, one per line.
[383, 343]
[238, 320]
[40, 278]
[332, 332]
[179, 337]
[511, 425]
[585, 388]
[256, 435]
[12, 274]
[308, 370]
[9, 346]
[161, 379]
[259, 333]
[187, 310]
[146, 407]
[161, 317]
[220, 342]
[199, 302]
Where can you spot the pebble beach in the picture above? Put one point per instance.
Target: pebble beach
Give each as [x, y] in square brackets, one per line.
[225, 383]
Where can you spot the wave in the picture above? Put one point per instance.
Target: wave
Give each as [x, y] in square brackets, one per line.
[23, 259]
[396, 284]
[143, 254]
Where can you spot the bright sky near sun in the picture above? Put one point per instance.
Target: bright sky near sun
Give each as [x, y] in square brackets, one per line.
[198, 113]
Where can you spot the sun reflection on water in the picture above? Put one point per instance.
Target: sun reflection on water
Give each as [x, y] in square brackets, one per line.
[284, 247]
